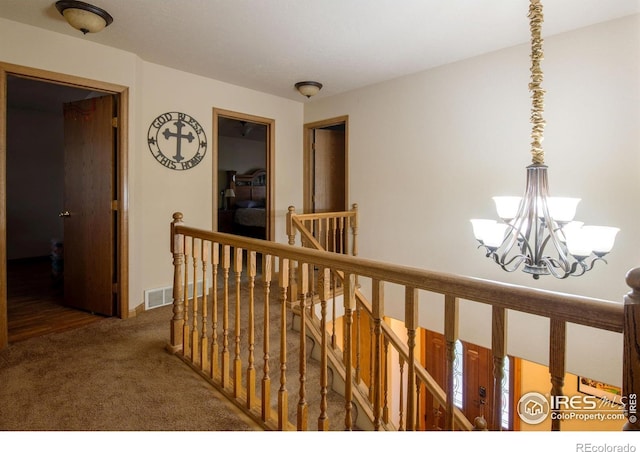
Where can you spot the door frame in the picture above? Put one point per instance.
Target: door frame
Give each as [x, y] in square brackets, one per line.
[122, 189]
[308, 132]
[270, 164]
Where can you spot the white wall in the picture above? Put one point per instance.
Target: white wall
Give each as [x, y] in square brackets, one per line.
[432, 147]
[428, 151]
[155, 192]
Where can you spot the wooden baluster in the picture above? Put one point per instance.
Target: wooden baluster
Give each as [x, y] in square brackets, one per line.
[349, 305]
[177, 322]
[499, 350]
[283, 401]
[340, 248]
[385, 379]
[237, 363]
[354, 228]
[557, 344]
[411, 321]
[323, 289]
[226, 265]
[372, 336]
[204, 344]
[215, 260]
[195, 333]
[417, 422]
[251, 370]
[401, 401]
[631, 356]
[291, 231]
[334, 337]
[357, 375]
[186, 331]
[377, 309]
[312, 284]
[302, 399]
[451, 336]
[327, 231]
[266, 380]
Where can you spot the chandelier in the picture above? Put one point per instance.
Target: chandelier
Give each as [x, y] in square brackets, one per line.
[537, 232]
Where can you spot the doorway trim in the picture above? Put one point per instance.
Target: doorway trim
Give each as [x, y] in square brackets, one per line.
[308, 132]
[122, 207]
[270, 165]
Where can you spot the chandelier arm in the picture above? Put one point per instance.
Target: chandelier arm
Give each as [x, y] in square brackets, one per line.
[505, 265]
[567, 270]
[562, 254]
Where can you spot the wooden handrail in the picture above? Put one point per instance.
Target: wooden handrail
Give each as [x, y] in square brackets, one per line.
[559, 308]
[557, 348]
[587, 311]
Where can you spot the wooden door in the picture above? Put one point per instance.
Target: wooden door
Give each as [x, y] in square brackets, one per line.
[478, 382]
[435, 363]
[89, 150]
[329, 171]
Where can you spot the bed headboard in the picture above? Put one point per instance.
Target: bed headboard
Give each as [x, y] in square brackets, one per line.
[251, 186]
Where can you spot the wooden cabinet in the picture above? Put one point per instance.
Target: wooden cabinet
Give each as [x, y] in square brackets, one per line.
[225, 221]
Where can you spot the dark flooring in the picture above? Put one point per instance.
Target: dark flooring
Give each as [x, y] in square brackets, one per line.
[35, 301]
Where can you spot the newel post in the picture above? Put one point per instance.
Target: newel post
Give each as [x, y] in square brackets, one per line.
[631, 357]
[291, 232]
[354, 230]
[177, 249]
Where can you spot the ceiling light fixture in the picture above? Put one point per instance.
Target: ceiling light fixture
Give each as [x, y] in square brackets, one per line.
[537, 225]
[308, 88]
[83, 16]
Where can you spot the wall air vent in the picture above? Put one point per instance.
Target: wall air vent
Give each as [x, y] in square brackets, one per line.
[155, 298]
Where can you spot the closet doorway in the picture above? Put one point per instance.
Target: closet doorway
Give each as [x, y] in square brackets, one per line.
[326, 166]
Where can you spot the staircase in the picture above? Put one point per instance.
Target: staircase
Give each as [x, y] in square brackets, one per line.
[298, 339]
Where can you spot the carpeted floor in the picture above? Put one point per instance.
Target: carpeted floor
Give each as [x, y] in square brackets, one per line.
[114, 375]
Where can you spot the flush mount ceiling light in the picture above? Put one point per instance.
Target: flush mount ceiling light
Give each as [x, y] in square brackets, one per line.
[83, 16]
[308, 88]
[537, 231]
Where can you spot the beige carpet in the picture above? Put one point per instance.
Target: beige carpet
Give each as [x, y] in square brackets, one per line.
[114, 375]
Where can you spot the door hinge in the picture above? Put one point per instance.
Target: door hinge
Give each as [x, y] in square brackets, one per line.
[114, 205]
[114, 288]
[114, 121]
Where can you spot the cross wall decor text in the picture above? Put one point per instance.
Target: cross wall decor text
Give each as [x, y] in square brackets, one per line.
[177, 141]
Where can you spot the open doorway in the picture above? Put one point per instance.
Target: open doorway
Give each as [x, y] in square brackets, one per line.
[243, 174]
[326, 166]
[33, 200]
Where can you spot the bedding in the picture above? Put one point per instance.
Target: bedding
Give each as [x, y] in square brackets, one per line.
[249, 205]
[250, 216]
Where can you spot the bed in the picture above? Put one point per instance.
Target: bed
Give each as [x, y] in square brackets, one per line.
[249, 204]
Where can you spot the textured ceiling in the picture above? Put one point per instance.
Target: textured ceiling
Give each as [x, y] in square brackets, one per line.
[268, 45]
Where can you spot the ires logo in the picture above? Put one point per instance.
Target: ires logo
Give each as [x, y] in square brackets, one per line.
[534, 408]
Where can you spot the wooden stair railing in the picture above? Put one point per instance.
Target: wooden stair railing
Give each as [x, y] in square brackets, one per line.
[225, 354]
[307, 226]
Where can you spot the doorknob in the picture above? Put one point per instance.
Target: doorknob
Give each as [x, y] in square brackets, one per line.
[64, 214]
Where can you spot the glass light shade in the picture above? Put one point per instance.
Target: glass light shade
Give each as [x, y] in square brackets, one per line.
[481, 227]
[494, 235]
[229, 193]
[562, 210]
[569, 227]
[579, 242]
[308, 88]
[602, 238]
[85, 21]
[507, 206]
